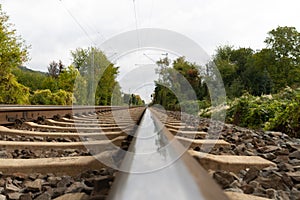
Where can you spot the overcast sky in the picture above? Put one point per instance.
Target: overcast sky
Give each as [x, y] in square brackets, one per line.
[53, 28]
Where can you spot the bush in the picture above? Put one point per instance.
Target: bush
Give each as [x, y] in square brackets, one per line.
[13, 92]
[253, 112]
[62, 98]
[279, 112]
[288, 120]
[41, 97]
[46, 97]
[194, 107]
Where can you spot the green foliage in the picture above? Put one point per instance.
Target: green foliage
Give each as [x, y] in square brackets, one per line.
[106, 86]
[253, 112]
[182, 79]
[233, 67]
[279, 112]
[29, 78]
[13, 53]
[284, 44]
[80, 59]
[41, 97]
[50, 83]
[35, 80]
[12, 92]
[56, 89]
[288, 120]
[67, 78]
[259, 77]
[62, 97]
[80, 92]
[46, 97]
[263, 72]
[165, 97]
[136, 100]
[132, 100]
[98, 77]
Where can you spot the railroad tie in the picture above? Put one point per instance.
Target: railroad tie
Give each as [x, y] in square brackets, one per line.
[229, 162]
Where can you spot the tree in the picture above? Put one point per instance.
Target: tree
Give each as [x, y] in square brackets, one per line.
[80, 59]
[226, 67]
[67, 78]
[236, 70]
[106, 86]
[181, 82]
[33, 79]
[13, 52]
[136, 100]
[284, 43]
[99, 74]
[13, 92]
[55, 69]
[70, 80]
[191, 74]
[260, 74]
[61, 66]
[229, 68]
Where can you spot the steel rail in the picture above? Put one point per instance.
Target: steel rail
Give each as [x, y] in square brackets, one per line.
[103, 145]
[11, 113]
[158, 167]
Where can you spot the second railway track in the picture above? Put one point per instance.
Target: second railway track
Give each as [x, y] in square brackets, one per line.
[54, 154]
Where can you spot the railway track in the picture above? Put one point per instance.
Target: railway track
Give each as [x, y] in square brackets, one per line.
[54, 153]
[17, 114]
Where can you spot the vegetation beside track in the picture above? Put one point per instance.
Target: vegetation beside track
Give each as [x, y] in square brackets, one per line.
[262, 86]
[89, 80]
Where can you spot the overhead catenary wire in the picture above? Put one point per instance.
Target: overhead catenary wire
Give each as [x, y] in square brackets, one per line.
[92, 28]
[78, 23]
[91, 88]
[136, 24]
[111, 53]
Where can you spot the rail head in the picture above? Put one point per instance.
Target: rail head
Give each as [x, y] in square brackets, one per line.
[173, 176]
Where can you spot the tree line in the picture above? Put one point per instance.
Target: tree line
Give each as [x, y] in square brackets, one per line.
[243, 70]
[89, 80]
[262, 86]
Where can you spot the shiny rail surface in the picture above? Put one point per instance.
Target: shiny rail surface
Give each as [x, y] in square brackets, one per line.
[158, 171]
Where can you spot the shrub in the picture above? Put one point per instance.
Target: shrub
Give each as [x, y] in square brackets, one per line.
[288, 120]
[46, 97]
[13, 92]
[41, 97]
[279, 112]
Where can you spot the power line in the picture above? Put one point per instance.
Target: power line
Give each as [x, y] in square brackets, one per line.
[93, 28]
[78, 23]
[149, 58]
[136, 24]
